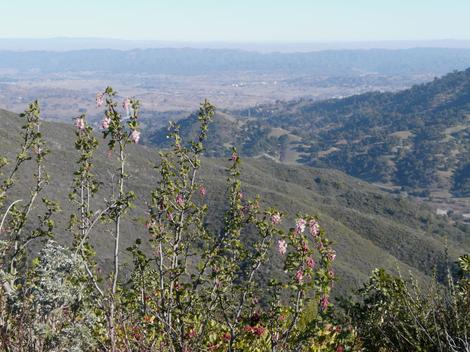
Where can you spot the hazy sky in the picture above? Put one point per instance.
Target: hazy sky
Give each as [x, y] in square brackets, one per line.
[238, 20]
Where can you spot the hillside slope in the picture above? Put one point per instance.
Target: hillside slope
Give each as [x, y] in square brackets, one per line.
[371, 228]
[417, 139]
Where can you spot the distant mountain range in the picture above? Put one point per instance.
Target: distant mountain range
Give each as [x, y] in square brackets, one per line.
[66, 44]
[370, 228]
[417, 139]
[188, 61]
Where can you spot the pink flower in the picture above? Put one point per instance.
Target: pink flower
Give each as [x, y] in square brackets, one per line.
[105, 123]
[135, 136]
[99, 99]
[202, 191]
[299, 276]
[276, 219]
[256, 330]
[305, 247]
[282, 247]
[314, 228]
[324, 302]
[126, 104]
[331, 255]
[300, 226]
[259, 330]
[248, 328]
[331, 274]
[310, 262]
[234, 157]
[340, 348]
[180, 200]
[79, 123]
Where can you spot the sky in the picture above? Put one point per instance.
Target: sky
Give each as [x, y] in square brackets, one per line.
[237, 20]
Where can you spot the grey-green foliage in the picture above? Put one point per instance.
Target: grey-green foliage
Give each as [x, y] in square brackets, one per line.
[62, 321]
[53, 289]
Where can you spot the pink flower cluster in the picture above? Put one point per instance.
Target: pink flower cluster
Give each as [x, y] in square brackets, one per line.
[126, 104]
[299, 276]
[99, 99]
[80, 123]
[180, 200]
[331, 255]
[282, 247]
[314, 227]
[105, 123]
[305, 247]
[202, 191]
[135, 136]
[276, 219]
[300, 226]
[255, 330]
[324, 302]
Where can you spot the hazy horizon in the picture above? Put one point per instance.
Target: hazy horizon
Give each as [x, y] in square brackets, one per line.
[62, 43]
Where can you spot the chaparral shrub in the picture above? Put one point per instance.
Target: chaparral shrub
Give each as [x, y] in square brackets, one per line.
[197, 289]
[399, 315]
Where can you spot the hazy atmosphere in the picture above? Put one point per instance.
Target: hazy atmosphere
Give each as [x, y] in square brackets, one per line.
[240, 21]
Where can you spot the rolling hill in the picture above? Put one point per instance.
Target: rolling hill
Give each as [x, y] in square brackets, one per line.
[370, 228]
[416, 139]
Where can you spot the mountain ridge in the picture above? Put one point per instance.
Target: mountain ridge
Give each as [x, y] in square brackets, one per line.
[417, 139]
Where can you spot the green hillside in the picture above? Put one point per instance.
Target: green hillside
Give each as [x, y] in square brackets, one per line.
[371, 228]
[417, 139]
